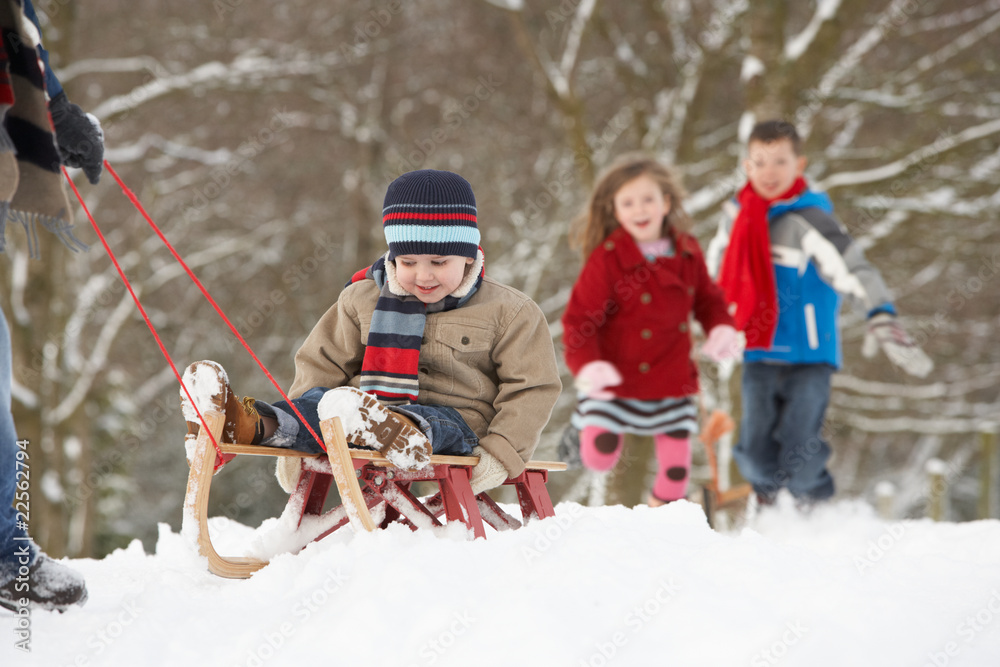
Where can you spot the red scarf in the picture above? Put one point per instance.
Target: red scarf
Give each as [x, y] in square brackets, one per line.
[747, 275]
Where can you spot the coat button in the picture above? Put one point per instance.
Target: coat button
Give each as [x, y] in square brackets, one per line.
[683, 327]
[645, 297]
[609, 245]
[646, 334]
[690, 289]
[465, 340]
[644, 367]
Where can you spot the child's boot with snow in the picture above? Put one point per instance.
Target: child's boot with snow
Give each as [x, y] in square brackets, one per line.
[209, 387]
[394, 435]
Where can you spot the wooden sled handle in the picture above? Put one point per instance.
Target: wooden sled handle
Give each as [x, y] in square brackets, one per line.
[196, 505]
[342, 468]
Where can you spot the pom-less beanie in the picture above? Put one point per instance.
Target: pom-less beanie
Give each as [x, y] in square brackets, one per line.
[430, 212]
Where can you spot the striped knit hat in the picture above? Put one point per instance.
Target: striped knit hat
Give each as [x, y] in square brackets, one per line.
[429, 212]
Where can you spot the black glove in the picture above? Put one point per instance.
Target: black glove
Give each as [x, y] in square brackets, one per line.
[79, 136]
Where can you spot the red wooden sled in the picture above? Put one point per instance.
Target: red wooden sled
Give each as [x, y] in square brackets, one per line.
[366, 481]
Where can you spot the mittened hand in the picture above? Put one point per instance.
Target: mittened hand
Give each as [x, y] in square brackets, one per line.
[885, 331]
[488, 473]
[722, 344]
[594, 379]
[79, 137]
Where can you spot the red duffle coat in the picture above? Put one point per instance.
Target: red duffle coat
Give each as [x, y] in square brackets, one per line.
[636, 314]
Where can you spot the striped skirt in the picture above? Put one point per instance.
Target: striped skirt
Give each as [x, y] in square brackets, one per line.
[629, 415]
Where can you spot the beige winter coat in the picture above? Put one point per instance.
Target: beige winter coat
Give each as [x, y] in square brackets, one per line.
[491, 359]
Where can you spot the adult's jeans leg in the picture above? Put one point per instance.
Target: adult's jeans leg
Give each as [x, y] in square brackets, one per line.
[13, 539]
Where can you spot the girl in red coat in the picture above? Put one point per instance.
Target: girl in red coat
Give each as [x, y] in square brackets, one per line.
[626, 329]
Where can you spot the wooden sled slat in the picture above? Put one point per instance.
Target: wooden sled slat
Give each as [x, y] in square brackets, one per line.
[365, 480]
[196, 504]
[342, 468]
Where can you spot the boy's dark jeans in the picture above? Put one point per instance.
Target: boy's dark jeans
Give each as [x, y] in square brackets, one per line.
[443, 426]
[780, 442]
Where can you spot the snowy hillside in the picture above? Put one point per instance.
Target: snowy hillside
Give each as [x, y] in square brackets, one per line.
[591, 587]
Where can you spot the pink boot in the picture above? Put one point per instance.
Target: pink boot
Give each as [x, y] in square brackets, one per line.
[599, 448]
[674, 458]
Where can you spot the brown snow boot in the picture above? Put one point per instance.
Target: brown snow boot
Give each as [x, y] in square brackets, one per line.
[394, 435]
[209, 386]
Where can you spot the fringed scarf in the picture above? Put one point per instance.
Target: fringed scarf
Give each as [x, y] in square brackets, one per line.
[747, 275]
[390, 367]
[31, 190]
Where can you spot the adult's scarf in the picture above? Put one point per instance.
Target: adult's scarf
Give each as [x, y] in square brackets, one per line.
[747, 274]
[390, 367]
[31, 191]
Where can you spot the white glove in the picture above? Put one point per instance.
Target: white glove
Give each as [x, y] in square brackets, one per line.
[594, 379]
[723, 343]
[486, 474]
[885, 331]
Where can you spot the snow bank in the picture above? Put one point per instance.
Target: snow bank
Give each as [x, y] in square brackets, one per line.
[592, 586]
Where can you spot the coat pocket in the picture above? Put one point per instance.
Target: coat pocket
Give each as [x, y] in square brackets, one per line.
[468, 349]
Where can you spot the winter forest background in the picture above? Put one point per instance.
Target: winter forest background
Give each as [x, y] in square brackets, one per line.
[261, 137]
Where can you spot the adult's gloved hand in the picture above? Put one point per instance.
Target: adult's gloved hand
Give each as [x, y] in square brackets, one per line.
[595, 377]
[79, 137]
[885, 331]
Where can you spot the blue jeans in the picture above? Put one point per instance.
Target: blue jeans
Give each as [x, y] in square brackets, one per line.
[444, 427]
[780, 442]
[15, 548]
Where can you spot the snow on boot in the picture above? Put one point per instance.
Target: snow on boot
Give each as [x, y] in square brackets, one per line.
[48, 585]
[209, 386]
[367, 423]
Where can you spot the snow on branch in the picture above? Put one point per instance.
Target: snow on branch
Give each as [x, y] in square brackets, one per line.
[509, 5]
[953, 48]
[944, 143]
[247, 67]
[111, 65]
[931, 426]
[797, 45]
[561, 77]
[933, 391]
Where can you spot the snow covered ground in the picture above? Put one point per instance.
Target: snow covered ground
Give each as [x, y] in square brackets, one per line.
[591, 587]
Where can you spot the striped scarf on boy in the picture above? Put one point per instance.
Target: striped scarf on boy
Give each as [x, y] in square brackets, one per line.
[390, 367]
[31, 191]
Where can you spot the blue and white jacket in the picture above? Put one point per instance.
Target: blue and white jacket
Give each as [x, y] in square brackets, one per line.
[815, 263]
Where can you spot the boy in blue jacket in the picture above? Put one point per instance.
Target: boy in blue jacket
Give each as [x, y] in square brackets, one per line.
[784, 262]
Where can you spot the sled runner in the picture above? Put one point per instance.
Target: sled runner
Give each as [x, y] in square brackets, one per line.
[713, 498]
[373, 492]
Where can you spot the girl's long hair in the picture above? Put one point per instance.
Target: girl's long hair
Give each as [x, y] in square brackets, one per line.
[598, 220]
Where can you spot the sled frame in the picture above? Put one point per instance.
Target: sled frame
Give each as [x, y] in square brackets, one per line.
[365, 481]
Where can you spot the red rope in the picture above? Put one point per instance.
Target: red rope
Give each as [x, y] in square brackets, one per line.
[139, 207]
[142, 310]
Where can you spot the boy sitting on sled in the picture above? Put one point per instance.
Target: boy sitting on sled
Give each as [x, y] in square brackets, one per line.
[422, 353]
